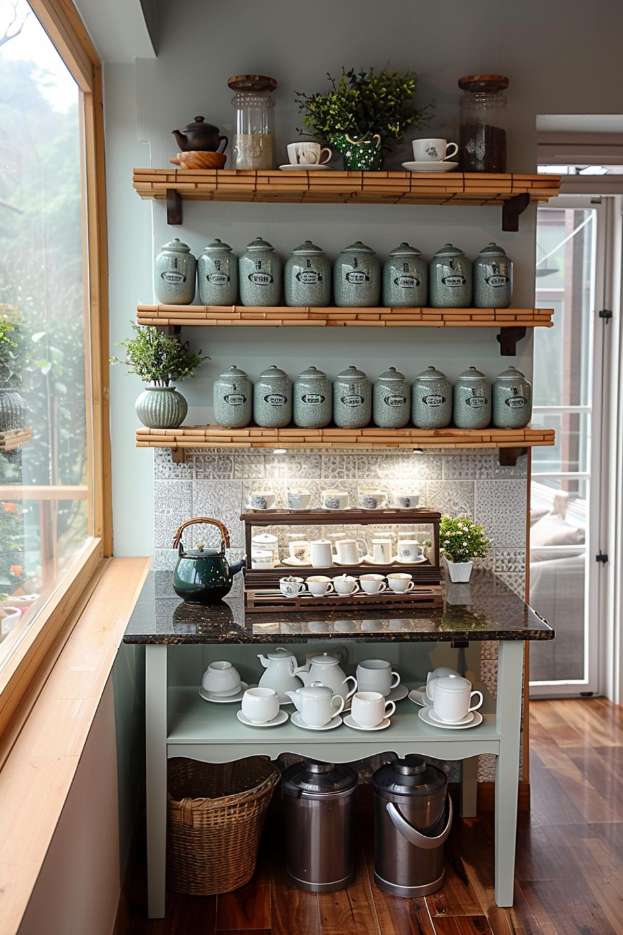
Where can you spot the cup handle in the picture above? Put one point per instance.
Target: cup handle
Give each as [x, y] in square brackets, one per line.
[313, 158]
[382, 586]
[395, 675]
[390, 707]
[323, 162]
[411, 586]
[475, 707]
[302, 587]
[350, 678]
[449, 155]
[330, 588]
[339, 701]
[356, 588]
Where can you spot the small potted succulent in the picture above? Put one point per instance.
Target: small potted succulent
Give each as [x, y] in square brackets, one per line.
[12, 361]
[362, 113]
[461, 540]
[159, 359]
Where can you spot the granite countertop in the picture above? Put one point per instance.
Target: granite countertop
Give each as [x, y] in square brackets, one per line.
[485, 609]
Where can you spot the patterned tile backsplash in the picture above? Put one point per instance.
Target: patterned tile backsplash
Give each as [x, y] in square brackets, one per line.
[217, 483]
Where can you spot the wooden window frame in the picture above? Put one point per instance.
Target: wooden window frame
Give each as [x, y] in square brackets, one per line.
[26, 668]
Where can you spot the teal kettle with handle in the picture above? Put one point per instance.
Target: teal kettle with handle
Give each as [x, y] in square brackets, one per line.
[203, 576]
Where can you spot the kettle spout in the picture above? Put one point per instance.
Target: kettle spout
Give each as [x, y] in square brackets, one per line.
[235, 567]
[304, 674]
[181, 139]
[295, 698]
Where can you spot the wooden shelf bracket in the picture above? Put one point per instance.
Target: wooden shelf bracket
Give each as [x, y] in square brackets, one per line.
[508, 456]
[178, 455]
[175, 212]
[508, 338]
[512, 208]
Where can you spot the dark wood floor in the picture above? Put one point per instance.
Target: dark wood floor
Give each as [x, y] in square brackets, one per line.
[569, 877]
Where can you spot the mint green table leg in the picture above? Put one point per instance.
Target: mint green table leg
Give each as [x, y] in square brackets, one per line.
[508, 716]
[156, 776]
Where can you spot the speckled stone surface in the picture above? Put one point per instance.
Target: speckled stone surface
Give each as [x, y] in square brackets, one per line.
[486, 609]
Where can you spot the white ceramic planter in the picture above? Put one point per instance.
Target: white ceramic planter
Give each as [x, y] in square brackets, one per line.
[460, 572]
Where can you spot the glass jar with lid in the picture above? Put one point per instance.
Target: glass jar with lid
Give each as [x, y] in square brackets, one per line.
[482, 135]
[253, 104]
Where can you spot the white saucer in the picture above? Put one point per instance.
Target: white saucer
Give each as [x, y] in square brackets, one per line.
[303, 167]
[298, 721]
[281, 718]
[219, 698]
[418, 561]
[350, 722]
[418, 696]
[425, 715]
[445, 166]
[337, 562]
[296, 562]
[367, 560]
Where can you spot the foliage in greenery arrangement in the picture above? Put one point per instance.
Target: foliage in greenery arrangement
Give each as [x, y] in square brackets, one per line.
[157, 358]
[12, 349]
[461, 539]
[363, 102]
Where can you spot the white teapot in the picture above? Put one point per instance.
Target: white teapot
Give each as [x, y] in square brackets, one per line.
[280, 667]
[327, 670]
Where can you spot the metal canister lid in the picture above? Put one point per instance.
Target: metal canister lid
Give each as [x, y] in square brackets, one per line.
[176, 246]
[392, 375]
[217, 246]
[472, 374]
[352, 373]
[430, 375]
[448, 249]
[405, 249]
[312, 373]
[260, 244]
[308, 249]
[492, 249]
[272, 372]
[358, 247]
[311, 779]
[409, 776]
[233, 371]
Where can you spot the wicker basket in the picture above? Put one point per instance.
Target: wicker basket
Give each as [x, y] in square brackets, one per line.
[215, 818]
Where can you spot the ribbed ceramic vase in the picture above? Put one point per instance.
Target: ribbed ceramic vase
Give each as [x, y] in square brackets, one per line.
[12, 409]
[161, 407]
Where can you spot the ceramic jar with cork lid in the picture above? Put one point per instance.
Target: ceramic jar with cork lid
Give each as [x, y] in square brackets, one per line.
[493, 278]
[512, 400]
[312, 399]
[472, 400]
[307, 277]
[450, 275]
[259, 273]
[357, 277]
[175, 273]
[233, 399]
[352, 399]
[391, 402]
[217, 274]
[432, 400]
[272, 399]
[405, 278]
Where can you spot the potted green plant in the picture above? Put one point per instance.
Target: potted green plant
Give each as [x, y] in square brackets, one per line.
[12, 360]
[461, 541]
[159, 359]
[362, 113]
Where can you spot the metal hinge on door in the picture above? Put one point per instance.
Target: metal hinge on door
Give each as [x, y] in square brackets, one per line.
[601, 557]
[605, 313]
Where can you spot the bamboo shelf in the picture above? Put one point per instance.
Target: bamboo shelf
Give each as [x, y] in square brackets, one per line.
[511, 190]
[511, 442]
[15, 438]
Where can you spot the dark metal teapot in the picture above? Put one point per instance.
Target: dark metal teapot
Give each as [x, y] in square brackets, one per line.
[200, 135]
[203, 576]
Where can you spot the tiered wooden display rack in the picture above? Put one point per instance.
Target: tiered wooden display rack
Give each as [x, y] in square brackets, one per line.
[15, 438]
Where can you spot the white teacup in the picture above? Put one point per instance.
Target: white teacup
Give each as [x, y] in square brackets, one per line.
[381, 553]
[298, 499]
[369, 709]
[372, 584]
[317, 704]
[350, 551]
[262, 500]
[433, 150]
[221, 678]
[452, 698]
[260, 704]
[409, 550]
[375, 675]
[371, 499]
[335, 499]
[439, 673]
[319, 585]
[308, 153]
[406, 501]
[321, 553]
[291, 586]
[345, 584]
[400, 582]
[299, 550]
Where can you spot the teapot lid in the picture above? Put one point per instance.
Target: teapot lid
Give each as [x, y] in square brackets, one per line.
[312, 373]
[511, 373]
[308, 248]
[410, 776]
[233, 371]
[449, 249]
[267, 537]
[352, 373]
[260, 244]
[431, 374]
[324, 659]
[199, 123]
[358, 247]
[472, 373]
[279, 653]
[308, 777]
[176, 245]
[273, 371]
[405, 249]
[217, 245]
[392, 374]
[492, 249]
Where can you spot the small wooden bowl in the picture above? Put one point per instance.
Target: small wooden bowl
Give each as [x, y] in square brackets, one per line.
[197, 159]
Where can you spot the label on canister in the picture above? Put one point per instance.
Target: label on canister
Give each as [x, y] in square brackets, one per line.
[352, 400]
[433, 399]
[394, 400]
[276, 399]
[235, 399]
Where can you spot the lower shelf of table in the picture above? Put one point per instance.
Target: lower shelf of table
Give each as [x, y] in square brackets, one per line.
[212, 733]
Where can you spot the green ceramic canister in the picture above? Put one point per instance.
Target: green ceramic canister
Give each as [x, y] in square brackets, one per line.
[450, 278]
[432, 400]
[512, 400]
[272, 399]
[175, 273]
[217, 273]
[391, 400]
[357, 277]
[352, 399]
[493, 278]
[312, 399]
[307, 276]
[405, 278]
[472, 400]
[259, 274]
[233, 399]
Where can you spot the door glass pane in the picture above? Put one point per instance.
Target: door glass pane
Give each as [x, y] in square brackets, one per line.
[44, 472]
[572, 449]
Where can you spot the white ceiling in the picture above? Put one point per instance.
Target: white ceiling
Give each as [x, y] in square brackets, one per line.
[580, 123]
[121, 30]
